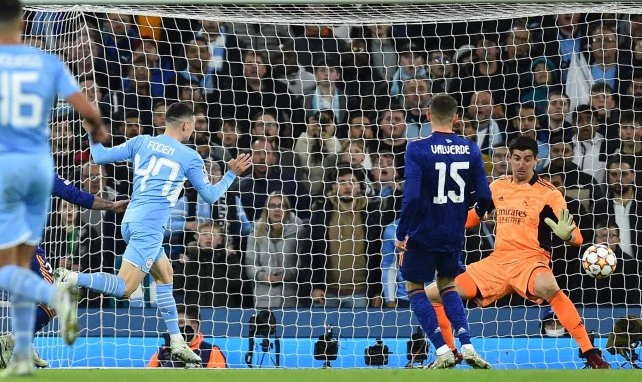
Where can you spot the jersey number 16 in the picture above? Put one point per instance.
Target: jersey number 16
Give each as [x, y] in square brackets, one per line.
[442, 168]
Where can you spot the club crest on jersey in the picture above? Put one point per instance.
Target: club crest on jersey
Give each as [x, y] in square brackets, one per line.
[149, 263]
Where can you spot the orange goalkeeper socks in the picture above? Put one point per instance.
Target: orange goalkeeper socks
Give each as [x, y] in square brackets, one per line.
[570, 319]
[444, 325]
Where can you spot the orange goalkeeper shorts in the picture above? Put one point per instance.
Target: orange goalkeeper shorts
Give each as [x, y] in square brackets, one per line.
[501, 274]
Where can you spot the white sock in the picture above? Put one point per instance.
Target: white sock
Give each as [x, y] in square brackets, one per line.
[176, 339]
[467, 347]
[443, 350]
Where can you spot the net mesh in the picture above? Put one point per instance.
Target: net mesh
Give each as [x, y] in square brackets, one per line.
[311, 92]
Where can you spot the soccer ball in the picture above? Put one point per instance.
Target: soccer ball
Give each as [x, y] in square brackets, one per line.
[599, 261]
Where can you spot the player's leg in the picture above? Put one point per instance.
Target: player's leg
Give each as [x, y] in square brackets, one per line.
[164, 276]
[418, 269]
[542, 284]
[448, 267]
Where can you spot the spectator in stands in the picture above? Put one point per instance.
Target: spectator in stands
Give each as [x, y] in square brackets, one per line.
[313, 147]
[255, 90]
[489, 134]
[486, 72]
[394, 286]
[94, 94]
[554, 126]
[603, 56]
[632, 98]
[608, 233]
[352, 153]
[392, 134]
[264, 124]
[346, 241]
[70, 243]
[499, 162]
[526, 123]
[518, 66]
[360, 125]
[583, 184]
[161, 73]
[381, 46]
[623, 203]
[299, 81]
[202, 138]
[362, 84]
[130, 128]
[94, 181]
[564, 40]
[385, 185]
[440, 71]
[589, 144]
[158, 117]
[189, 322]
[136, 96]
[327, 96]
[415, 99]
[231, 137]
[271, 259]
[64, 143]
[119, 39]
[266, 177]
[208, 273]
[605, 106]
[314, 43]
[412, 63]
[630, 141]
[197, 70]
[543, 80]
[224, 52]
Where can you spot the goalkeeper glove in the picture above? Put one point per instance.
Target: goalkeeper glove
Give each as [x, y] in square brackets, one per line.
[564, 227]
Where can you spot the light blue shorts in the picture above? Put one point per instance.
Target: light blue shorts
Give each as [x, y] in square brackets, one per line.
[144, 245]
[26, 181]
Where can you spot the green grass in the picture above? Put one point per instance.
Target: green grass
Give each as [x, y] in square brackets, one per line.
[332, 375]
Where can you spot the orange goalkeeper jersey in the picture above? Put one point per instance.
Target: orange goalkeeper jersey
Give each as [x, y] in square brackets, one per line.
[520, 212]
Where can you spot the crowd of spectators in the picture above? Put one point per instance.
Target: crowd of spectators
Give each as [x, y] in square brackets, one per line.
[326, 113]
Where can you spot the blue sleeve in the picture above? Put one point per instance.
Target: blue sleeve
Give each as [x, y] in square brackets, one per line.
[482, 189]
[124, 151]
[411, 190]
[200, 181]
[67, 191]
[66, 84]
[388, 263]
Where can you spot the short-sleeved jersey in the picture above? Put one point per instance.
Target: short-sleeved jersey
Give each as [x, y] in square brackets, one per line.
[442, 171]
[520, 212]
[30, 81]
[161, 166]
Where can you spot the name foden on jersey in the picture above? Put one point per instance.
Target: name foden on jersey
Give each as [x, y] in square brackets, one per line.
[161, 148]
[450, 149]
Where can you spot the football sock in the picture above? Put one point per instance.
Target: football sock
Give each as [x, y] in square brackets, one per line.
[23, 312]
[570, 319]
[426, 316]
[167, 307]
[102, 282]
[444, 325]
[43, 316]
[454, 308]
[26, 284]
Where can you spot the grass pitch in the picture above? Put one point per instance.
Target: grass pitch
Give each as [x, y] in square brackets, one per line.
[331, 375]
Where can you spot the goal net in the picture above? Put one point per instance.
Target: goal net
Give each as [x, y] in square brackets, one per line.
[325, 99]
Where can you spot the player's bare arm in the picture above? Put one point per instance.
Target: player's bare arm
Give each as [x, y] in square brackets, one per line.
[240, 164]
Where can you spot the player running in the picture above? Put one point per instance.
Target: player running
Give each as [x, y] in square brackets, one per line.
[520, 263]
[40, 265]
[30, 81]
[441, 172]
[161, 166]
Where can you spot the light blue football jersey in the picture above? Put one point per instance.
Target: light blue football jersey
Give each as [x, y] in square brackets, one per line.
[30, 81]
[161, 166]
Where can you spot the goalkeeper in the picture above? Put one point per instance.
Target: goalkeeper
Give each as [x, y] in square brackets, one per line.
[520, 263]
[40, 265]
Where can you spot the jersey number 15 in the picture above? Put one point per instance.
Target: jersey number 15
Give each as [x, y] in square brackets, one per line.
[442, 168]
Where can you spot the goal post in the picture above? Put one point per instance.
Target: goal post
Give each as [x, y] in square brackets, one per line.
[315, 91]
